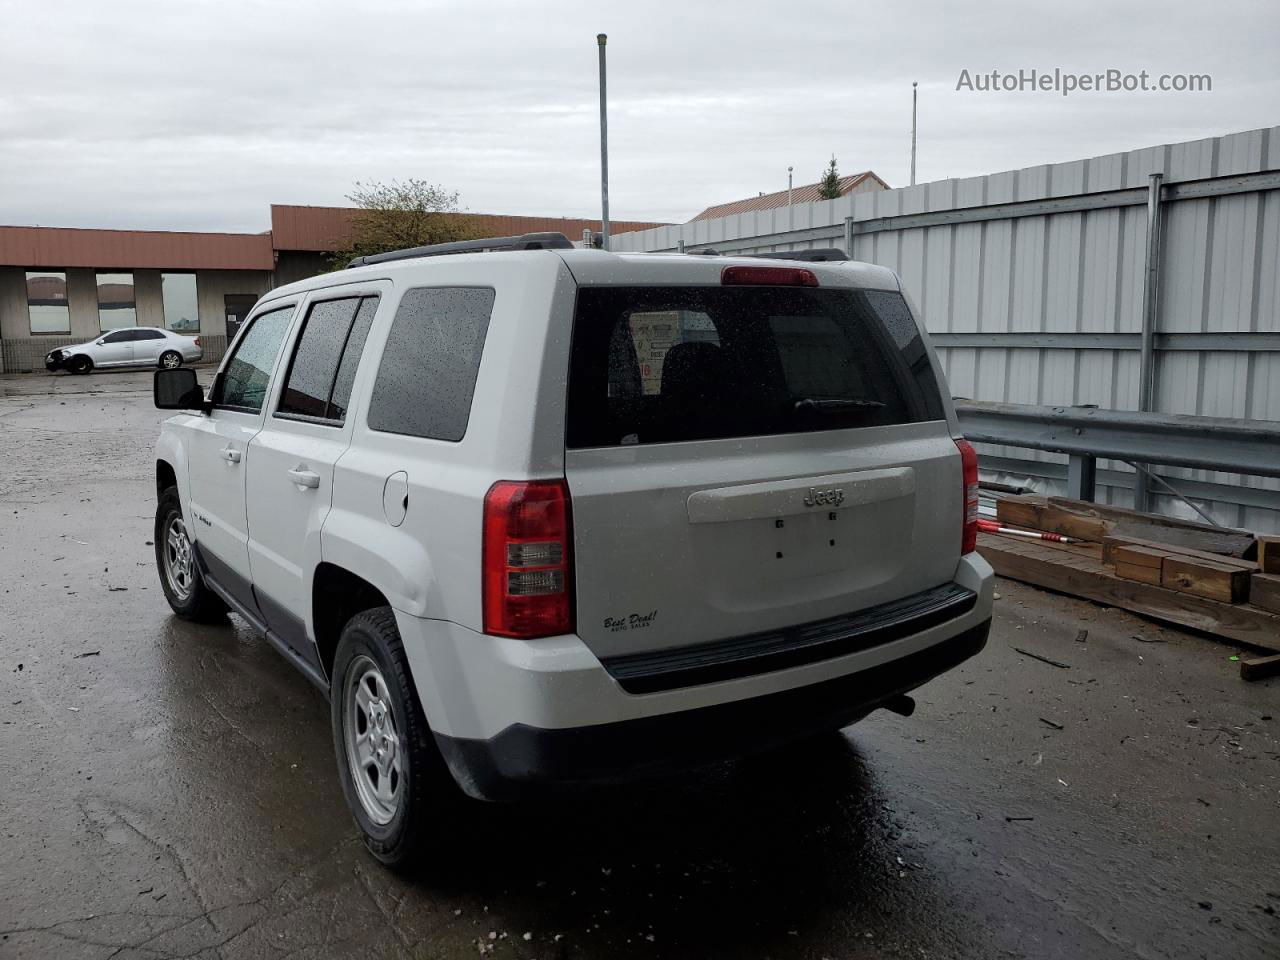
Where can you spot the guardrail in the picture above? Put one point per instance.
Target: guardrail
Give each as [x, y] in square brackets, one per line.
[1086, 433]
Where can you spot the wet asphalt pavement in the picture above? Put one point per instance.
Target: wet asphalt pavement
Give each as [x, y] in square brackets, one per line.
[169, 790]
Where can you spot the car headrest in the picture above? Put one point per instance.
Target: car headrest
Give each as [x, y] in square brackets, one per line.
[692, 367]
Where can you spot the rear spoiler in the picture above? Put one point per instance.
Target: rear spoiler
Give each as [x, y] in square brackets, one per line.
[818, 255]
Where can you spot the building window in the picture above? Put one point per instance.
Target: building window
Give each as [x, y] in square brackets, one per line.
[115, 301]
[181, 306]
[47, 301]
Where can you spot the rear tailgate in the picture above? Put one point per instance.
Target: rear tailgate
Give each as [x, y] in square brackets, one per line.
[747, 458]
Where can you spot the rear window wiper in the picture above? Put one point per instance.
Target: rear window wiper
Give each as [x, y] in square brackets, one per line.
[814, 405]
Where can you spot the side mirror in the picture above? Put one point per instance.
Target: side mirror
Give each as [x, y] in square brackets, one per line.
[177, 389]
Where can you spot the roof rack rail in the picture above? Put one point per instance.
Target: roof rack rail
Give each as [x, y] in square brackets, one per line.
[528, 241]
[817, 255]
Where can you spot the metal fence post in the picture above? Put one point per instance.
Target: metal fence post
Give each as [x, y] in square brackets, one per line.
[1082, 477]
[848, 237]
[1150, 323]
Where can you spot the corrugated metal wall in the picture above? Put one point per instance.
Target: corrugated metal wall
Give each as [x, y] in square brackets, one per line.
[1048, 308]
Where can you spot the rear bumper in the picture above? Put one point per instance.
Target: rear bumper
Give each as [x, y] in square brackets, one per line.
[522, 759]
[510, 713]
[770, 650]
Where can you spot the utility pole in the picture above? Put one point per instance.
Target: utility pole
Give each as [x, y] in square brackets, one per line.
[913, 133]
[601, 40]
[790, 213]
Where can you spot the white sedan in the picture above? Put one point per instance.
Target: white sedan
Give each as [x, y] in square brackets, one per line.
[130, 347]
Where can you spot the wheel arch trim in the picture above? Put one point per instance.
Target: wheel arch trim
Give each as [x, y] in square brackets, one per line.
[172, 454]
[337, 595]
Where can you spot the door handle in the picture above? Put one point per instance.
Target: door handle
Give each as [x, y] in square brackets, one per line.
[304, 478]
[230, 455]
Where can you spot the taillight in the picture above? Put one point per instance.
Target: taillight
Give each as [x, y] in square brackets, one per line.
[527, 566]
[197, 340]
[768, 277]
[969, 473]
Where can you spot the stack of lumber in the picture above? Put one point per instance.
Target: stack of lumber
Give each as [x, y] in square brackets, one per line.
[1217, 580]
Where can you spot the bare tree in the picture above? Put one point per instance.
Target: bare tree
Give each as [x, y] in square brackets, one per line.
[400, 214]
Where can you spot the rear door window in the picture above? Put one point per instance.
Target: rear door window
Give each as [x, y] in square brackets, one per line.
[667, 364]
[430, 363]
[322, 369]
[351, 354]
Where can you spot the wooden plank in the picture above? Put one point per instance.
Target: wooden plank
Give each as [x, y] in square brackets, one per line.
[1112, 543]
[1264, 591]
[1154, 526]
[1125, 515]
[1259, 667]
[1095, 522]
[1019, 511]
[1092, 521]
[1035, 514]
[1082, 576]
[1136, 555]
[1135, 571]
[1075, 525]
[1217, 581]
[1269, 554]
[1228, 543]
[1079, 548]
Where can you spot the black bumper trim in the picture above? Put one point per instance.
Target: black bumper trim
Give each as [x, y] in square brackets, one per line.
[771, 650]
[523, 759]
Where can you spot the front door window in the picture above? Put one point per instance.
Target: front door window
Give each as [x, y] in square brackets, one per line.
[243, 382]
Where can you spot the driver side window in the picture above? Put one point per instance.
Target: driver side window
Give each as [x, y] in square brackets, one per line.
[243, 384]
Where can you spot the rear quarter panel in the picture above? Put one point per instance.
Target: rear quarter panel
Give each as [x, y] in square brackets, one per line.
[429, 564]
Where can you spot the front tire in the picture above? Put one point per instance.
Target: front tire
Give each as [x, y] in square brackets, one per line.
[180, 577]
[392, 774]
[80, 364]
[170, 359]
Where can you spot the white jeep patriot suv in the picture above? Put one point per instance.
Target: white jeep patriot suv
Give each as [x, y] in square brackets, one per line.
[535, 515]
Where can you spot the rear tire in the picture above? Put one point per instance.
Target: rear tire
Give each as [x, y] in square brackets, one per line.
[393, 777]
[79, 364]
[180, 577]
[170, 359]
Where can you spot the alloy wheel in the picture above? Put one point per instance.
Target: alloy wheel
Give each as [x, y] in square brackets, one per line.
[374, 753]
[179, 559]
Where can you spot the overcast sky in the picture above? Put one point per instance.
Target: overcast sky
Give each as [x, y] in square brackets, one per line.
[198, 114]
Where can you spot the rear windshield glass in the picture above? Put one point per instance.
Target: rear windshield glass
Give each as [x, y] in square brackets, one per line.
[665, 364]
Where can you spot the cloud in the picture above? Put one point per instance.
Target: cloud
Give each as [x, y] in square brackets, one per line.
[198, 115]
